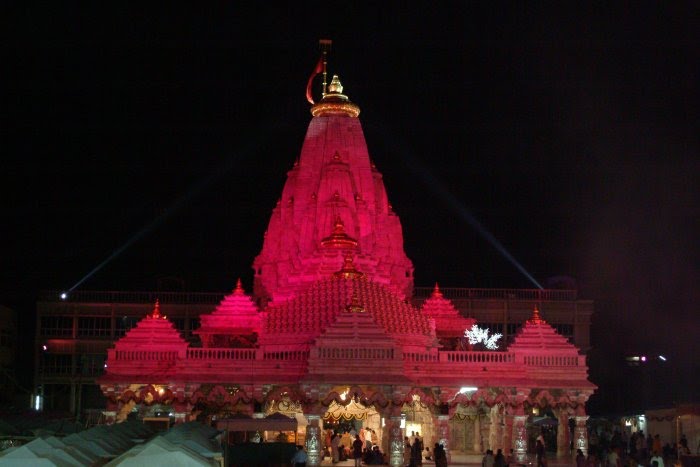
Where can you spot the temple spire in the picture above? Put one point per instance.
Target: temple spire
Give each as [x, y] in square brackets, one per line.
[536, 318]
[239, 288]
[156, 310]
[436, 291]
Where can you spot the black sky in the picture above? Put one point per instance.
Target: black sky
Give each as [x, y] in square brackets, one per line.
[572, 135]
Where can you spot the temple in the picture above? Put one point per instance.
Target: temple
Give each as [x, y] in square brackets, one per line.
[330, 334]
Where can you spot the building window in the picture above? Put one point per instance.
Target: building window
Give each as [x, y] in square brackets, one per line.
[56, 326]
[566, 330]
[56, 364]
[94, 327]
[91, 364]
[123, 324]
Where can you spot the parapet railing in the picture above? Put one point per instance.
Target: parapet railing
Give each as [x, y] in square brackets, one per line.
[356, 354]
[210, 353]
[552, 360]
[148, 355]
[452, 293]
[467, 356]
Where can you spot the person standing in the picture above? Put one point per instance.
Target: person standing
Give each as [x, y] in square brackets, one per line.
[440, 455]
[357, 446]
[299, 459]
[335, 442]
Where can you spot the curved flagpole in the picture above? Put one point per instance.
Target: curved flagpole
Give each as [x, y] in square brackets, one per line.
[321, 66]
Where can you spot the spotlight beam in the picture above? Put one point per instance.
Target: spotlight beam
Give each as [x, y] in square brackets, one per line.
[191, 193]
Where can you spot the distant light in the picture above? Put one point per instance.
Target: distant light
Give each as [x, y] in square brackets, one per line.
[37, 402]
[643, 358]
[466, 389]
[64, 295]
[44, 347]
[105, 365]
[662, 358]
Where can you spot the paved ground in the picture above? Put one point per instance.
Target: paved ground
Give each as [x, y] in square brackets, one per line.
[462, 460]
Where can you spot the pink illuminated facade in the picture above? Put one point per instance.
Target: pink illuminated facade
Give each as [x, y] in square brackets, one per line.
[330, 332]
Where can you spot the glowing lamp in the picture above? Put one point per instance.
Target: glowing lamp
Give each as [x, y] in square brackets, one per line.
[43, 347]
[643, 358]
[661, 357]
[63, 295]
[466, 389]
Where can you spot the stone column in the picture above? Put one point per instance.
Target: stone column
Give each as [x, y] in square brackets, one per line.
[563, 441]
[507, 430]
[313, 441]
[477, 433]
[395, 441]
[443, 434]
[581, 432]
[519, 434]
[496, 429]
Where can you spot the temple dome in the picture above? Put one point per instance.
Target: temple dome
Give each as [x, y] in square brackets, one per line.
[236, 315]
[303, 318]
[448, 321]
[537, 335]
[154, 331]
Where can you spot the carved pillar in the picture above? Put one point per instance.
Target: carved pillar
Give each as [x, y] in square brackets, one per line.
[507, 429]
[443, 434]
[496, 429]
[395, 441]
[313, 441]
[580, 432]
[519, 434]
[477, 433]
[563, 441]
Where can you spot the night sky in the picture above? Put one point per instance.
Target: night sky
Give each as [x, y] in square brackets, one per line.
[572, 136]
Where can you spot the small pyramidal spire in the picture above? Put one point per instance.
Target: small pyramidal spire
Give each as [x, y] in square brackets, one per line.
[536, 318]
[338, 238]
[354, 306]
[156, 310]
[348, 270]
[239, 288]
[436, 291]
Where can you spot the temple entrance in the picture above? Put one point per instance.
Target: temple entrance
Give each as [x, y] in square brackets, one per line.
[419, 420]
[347, 421]
[465, 429]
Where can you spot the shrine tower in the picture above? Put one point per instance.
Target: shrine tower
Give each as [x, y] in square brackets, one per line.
[333, 204]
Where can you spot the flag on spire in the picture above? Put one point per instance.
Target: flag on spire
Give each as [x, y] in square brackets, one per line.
[317, 69]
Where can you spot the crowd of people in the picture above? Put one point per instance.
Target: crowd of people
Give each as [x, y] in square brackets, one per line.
[619, 450]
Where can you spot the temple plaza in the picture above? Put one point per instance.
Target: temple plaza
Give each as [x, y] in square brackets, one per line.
[333, 335]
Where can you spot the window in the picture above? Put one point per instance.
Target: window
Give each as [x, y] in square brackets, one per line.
[94, 327]
[56, 326]
[91, 364]
[56, 365]
[123, 324]
[566, 330]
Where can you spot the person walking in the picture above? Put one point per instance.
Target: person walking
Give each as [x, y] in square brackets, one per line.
[335, 442]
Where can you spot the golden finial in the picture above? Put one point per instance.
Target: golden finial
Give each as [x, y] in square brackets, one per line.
[536, 318]
[348, 270]
[436, 291]
[354, 306]
[239, 288]
[335, 87]
[156, 310]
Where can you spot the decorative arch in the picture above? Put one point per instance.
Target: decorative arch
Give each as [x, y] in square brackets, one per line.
[147, 390]
[286, 391]
[127, 396]
[425, 398]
